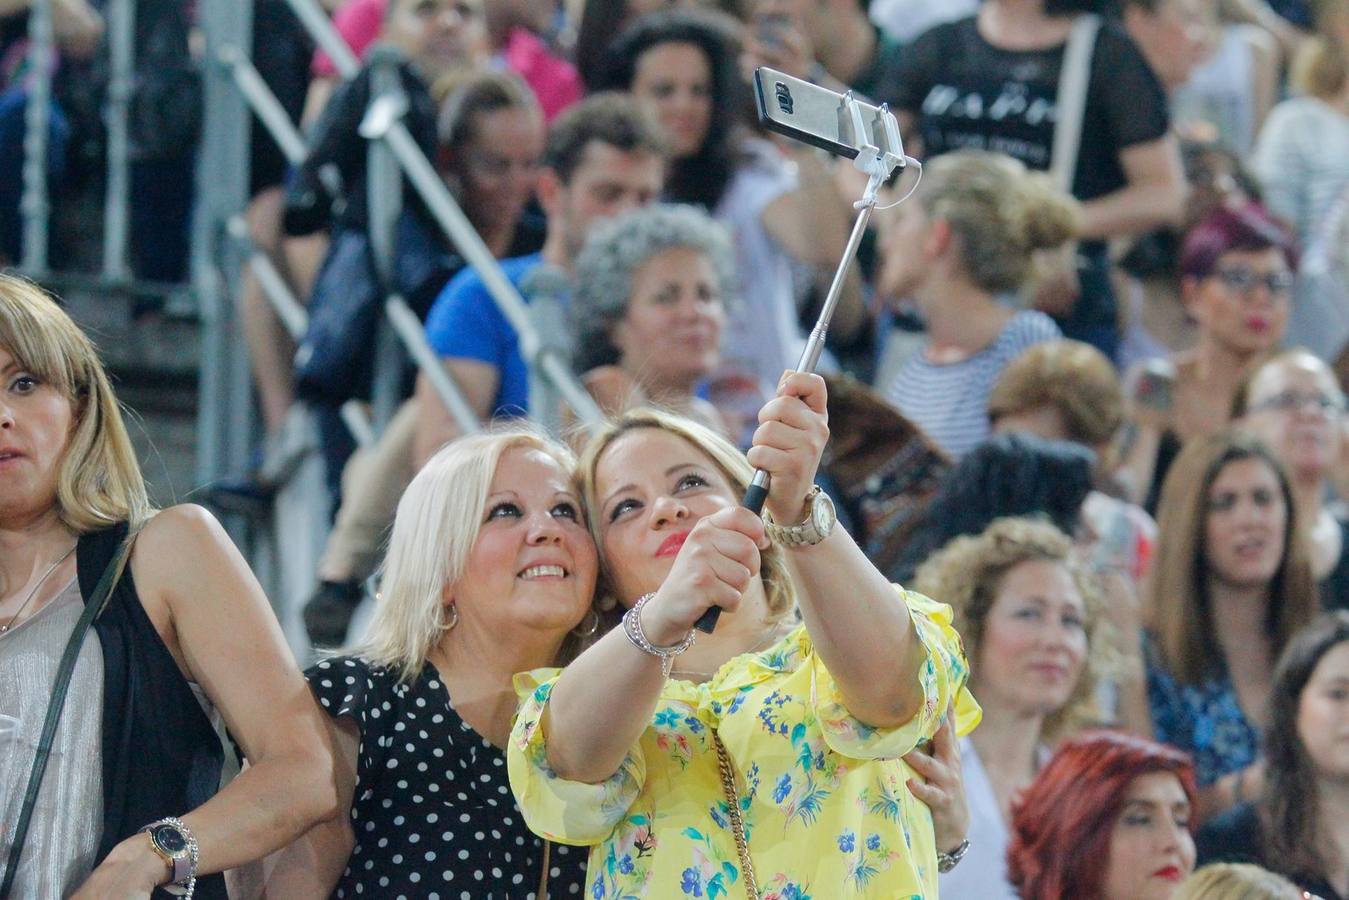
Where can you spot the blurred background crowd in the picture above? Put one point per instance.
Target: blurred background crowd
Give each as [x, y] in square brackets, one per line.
[1087, 382]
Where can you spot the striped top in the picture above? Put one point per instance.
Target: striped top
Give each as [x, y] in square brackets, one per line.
[949, 401]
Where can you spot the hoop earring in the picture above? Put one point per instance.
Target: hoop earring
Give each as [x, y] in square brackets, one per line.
[450, 618]
[588, 625]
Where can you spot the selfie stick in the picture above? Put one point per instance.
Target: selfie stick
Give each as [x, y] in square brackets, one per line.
[879, 166]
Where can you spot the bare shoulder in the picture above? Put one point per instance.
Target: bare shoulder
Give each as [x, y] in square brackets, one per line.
[181, 548]
[181, 528]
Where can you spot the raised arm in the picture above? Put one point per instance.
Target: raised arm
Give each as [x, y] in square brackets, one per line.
[860, 629]
[216, 621]
[604, 700]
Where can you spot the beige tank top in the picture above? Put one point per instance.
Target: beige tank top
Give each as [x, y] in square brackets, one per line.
[64, 833]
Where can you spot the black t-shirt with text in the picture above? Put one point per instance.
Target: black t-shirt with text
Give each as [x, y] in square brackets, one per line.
[968, 93]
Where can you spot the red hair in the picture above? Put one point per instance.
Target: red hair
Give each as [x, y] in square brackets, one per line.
[1061, 824]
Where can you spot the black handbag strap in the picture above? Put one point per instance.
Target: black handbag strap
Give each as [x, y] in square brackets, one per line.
[102, 593]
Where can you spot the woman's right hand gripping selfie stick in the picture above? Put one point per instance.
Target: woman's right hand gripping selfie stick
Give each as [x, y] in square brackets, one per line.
[870, 136]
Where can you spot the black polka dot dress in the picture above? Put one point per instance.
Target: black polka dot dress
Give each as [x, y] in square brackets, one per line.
[432, 811]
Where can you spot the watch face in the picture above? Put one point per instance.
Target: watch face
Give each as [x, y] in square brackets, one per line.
[822, 514]
[169, 839]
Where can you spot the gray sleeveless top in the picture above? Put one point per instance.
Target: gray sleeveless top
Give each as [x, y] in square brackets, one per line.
[64, 833]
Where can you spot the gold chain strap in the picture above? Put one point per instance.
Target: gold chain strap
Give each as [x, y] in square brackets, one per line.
[733, 813]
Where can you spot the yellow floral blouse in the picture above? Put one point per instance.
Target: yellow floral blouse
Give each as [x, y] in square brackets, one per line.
[822, 795]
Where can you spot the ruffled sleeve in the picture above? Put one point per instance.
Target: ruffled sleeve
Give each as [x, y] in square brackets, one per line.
[943, 674]
[569, 812]
[345, 687]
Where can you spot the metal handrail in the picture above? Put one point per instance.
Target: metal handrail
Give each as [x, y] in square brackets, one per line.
[121, 65]
[35, 206]
[406, 326]
[443, 208]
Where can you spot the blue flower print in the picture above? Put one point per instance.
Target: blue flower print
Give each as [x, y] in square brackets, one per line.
[737, 702]
[693, 882]
[874, 842]
[846, 841]
[625, 864]
[783, 788]
[667, 718]
[694, 725]
[597, 891]
[792, 892]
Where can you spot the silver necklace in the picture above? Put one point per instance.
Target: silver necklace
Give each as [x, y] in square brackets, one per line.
[33, 593]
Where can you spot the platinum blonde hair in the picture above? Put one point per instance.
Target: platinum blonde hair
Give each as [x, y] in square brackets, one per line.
[434, 530]
[99, 482]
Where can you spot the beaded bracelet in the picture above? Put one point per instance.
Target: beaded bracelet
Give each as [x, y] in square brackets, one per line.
[632, 627]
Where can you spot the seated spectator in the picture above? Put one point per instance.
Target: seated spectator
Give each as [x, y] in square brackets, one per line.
[77, 28]
[1237, 881]
[1149, 270]
[491, 138]
[1293, 822]
[602, 158]
[682, 65]
[1068, 391]
[1293, 403]
[989, 81]
[1109, 817]
[511, 39]
[1236, 279]
[1230, 586]
[652, 288]
[1007, 475]
[1028, 613]
[1302, 156]
[490, 571]
[959, 248]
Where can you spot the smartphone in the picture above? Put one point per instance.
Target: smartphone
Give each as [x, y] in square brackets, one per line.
[820, 117]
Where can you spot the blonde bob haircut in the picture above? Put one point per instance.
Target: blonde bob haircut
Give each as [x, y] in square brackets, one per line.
[1237, 881]
[99, 482]
[778, 589]
[967, 574]
[434, 530]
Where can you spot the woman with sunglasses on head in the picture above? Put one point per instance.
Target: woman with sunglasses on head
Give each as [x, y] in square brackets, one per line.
[1296, 823]
[490, 571]
[766, 756]
[1236, 280]
[1293, 403]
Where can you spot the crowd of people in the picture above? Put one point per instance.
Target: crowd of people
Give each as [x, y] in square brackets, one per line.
[1049, 597]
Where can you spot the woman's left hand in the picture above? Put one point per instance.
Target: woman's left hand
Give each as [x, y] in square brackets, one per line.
[793, 430]
[131, 872]
[942, 787]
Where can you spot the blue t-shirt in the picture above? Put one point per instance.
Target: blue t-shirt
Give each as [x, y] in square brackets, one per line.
[465, 323]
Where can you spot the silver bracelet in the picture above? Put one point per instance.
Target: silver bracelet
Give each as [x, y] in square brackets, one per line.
[632, 627]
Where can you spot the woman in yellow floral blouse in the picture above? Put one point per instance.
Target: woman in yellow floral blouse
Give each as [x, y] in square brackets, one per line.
[663, 753]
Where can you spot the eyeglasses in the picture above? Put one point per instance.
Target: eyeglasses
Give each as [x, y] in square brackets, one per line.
[1295, 401]
[1244, 279]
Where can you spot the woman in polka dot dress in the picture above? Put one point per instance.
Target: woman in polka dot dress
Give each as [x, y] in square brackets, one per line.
[490, 571]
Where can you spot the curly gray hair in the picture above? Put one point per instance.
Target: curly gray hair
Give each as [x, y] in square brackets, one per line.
[613, 253]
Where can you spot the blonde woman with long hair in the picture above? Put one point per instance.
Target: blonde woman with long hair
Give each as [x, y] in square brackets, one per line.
[185, 634]
[764, 758]
[1031, 619]
[490, 571]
